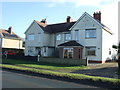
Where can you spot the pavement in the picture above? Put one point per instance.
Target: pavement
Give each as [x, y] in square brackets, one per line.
[108, 69]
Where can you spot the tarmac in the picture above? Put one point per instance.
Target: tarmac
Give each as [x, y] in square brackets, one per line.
[109, 69]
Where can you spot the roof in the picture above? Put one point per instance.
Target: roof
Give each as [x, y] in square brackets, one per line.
[63, 27]
[6, 34]
[71, 43]
[55, 28]
[98, 22]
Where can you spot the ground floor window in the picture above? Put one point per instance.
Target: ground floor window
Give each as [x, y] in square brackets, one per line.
[91, 51]
[68, 52]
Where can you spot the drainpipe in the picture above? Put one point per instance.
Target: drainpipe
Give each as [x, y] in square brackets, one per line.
[55, 42]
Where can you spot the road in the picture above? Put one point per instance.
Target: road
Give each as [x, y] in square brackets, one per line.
[19, 80]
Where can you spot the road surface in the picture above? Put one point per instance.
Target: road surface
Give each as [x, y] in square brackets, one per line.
[19, 80]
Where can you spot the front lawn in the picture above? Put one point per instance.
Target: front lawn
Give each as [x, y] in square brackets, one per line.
[42, 65]
[67, 75]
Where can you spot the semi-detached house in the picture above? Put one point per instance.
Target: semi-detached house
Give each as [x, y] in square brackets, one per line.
[86, 37]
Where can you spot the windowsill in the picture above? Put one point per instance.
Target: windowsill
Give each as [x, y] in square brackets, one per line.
[91, 38]
[90, 55]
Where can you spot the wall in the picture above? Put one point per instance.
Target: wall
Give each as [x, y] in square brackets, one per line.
[33, 29]
[107, 43]
[87, 22]
[12, 43]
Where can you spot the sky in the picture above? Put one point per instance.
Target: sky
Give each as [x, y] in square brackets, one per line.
[20, 13]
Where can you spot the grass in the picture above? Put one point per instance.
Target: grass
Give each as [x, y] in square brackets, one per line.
[68, 75]
[43, 65]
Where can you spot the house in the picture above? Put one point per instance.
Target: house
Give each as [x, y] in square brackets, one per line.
[10, 41]
[85, 38]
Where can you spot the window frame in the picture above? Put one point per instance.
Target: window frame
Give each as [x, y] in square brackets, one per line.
[31, 37]
[58, 37]
[76, 35]
[69, 50]
[39, 37]
[66, 36]
[90, 50]
[88, 37]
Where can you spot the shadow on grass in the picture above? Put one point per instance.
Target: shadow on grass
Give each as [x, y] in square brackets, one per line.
[110, 72]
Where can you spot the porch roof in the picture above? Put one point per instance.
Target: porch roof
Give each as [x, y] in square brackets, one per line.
[71, 43]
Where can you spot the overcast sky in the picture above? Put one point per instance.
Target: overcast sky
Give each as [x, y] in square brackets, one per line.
[20, 13]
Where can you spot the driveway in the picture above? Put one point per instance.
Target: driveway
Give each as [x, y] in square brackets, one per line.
[108, 69]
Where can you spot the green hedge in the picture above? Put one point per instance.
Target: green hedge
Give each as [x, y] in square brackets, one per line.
[64, 61]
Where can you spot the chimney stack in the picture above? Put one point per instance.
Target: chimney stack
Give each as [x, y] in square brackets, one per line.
[97, 16]
[68, 20]
[44, 21]
[10, 30]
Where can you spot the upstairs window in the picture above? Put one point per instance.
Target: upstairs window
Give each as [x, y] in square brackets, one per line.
[39, 37]
[58, 37]
[31, 37]
[67, 36]
[90, 33]
[76, 34]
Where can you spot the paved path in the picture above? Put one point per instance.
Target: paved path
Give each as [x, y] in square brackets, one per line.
[103, 70]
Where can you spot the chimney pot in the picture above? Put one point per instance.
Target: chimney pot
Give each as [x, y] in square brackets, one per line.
[10, 30]
[97, 16]
[68, 20]
[43, 21]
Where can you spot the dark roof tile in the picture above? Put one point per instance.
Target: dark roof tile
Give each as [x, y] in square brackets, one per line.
[55, 28]
[71, 43]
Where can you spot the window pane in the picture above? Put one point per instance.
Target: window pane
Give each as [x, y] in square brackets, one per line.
[31, 37]
[39, 37]
[68, 52]
[90, 50]
[58, 37]
[90, 33]
[76, 35]
[67, 36]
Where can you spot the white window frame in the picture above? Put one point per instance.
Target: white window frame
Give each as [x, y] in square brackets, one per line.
[76, 34]
[31, 37]
[58, 37]
[66, 38]
[68, 51]
[88, 33]
[39, 37]
[90, 49]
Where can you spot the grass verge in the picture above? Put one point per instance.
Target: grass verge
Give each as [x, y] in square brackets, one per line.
[43, 65]
[68, 75]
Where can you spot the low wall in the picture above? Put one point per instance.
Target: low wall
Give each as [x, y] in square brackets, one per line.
[64, 61]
